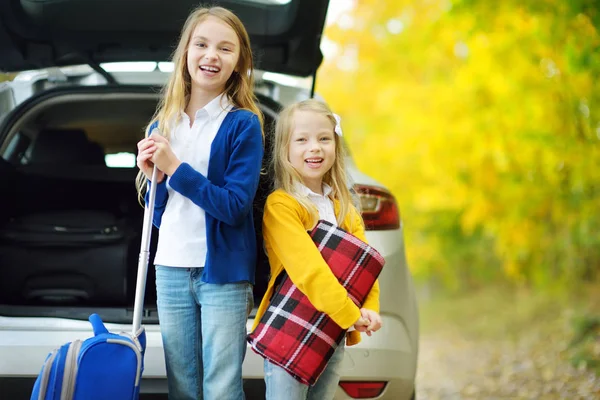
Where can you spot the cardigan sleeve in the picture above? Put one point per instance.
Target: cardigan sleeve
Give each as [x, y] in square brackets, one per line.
[358, 230]
[233, 201]
[289, 241]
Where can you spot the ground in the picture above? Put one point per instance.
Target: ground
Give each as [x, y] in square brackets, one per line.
[499, 345]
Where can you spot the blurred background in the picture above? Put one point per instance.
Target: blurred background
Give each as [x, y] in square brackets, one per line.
[483, 119]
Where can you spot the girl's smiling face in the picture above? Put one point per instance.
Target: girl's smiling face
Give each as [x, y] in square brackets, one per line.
[212, 55]
[312, 147]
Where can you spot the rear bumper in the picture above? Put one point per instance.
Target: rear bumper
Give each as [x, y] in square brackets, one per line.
[25, 342]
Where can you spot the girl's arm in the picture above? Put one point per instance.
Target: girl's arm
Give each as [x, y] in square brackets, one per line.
[232, 202]
[287, 238]
[372, 300]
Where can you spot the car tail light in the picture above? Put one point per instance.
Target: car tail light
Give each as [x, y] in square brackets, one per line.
[379, 208]
[363, 390]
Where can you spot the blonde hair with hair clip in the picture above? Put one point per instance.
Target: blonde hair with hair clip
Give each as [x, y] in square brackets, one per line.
[175, 95]
[286, 176]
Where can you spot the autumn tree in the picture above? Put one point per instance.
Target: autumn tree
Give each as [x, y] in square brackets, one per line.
[487, 114]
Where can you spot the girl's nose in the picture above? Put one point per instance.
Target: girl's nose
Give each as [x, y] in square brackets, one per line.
[315, 146]
[210, 54]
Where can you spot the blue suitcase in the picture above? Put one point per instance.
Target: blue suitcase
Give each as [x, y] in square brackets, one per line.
[107, 366]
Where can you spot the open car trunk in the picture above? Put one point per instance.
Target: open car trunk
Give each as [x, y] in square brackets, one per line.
[70, 224]
[285, 35]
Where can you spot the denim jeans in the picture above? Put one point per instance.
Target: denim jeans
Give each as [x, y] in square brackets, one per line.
[203, 328]
[281, 385]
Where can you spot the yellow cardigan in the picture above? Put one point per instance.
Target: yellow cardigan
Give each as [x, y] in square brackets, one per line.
[289, 247]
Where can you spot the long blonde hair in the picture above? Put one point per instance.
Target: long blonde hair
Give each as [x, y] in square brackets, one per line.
[286, 176]
[176, 93]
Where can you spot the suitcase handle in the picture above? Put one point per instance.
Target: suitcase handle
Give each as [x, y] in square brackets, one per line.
[140, 287]
[97, 324]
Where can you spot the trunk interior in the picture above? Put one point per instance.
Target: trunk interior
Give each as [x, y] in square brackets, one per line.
[70, 224]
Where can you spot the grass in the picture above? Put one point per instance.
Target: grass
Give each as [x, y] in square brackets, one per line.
[584, 348]
[571, 317]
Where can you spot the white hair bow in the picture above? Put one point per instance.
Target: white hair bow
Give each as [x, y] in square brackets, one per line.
[338, 126]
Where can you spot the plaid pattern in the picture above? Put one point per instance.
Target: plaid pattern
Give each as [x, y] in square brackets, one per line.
[292, 333]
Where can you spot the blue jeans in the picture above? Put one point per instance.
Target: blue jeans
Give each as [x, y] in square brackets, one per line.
[281, 385]
[203, 329]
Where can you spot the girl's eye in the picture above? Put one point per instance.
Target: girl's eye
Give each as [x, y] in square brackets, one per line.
[200, 45]
[226, 49]
[325, 139]
[300, 140]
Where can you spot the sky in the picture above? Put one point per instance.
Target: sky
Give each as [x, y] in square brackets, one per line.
[335, 10]
[338, 7]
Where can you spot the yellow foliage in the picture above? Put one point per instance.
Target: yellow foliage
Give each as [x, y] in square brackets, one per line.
[486, 113]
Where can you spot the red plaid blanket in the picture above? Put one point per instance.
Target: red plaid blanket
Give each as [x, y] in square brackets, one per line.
[292, 333]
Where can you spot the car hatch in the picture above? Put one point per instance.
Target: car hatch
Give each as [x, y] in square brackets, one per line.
[34, 34]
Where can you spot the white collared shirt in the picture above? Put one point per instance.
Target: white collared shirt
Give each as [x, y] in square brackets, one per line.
[182, 234]
[322, 201]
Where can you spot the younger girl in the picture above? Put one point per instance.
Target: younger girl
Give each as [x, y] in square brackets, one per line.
[209, 150]
[310, 183]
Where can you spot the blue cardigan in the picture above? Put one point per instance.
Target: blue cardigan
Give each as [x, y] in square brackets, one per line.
[226, 195]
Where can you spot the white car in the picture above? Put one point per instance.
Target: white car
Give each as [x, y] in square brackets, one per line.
[70, 221]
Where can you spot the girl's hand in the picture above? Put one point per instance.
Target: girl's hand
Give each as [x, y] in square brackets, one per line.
[374, 319]
[146, 148]
[361, 324]
[163, 156]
